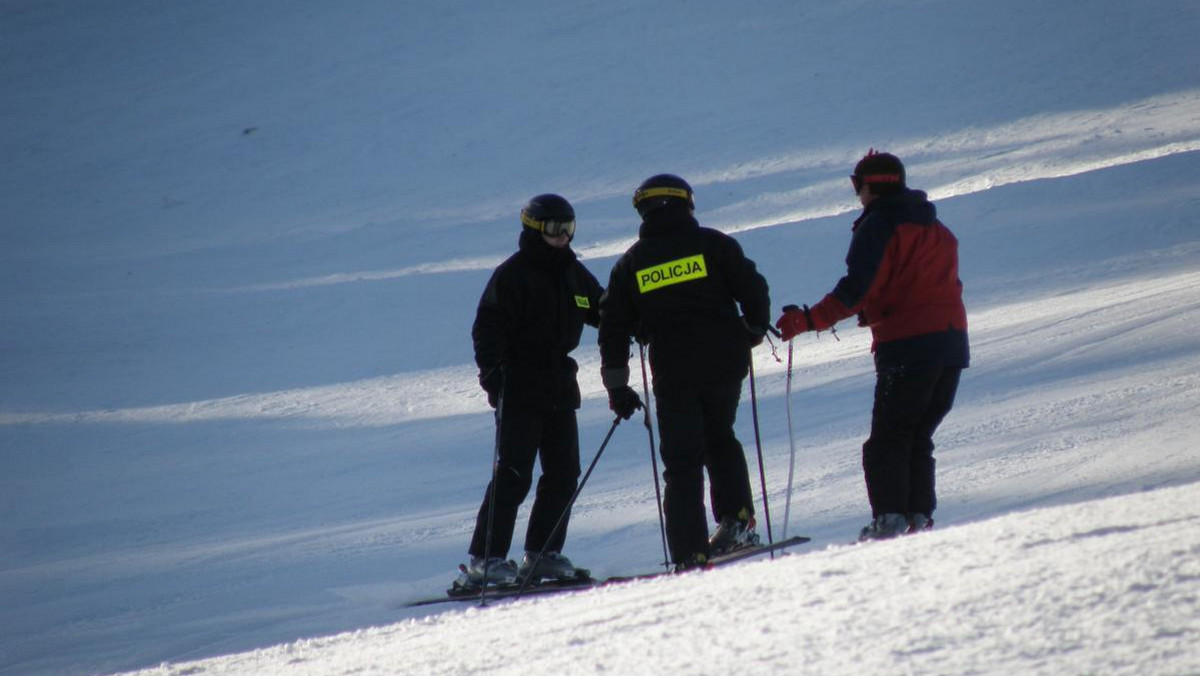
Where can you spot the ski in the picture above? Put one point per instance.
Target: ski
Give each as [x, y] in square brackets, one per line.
[552, 586]
[755, 550]
[739, 554]
[503, 591]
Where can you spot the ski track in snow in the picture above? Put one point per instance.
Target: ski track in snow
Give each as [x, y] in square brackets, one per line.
[1069, 328]
[960, 163]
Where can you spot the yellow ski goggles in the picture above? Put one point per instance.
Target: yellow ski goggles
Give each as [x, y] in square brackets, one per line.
[550, 227]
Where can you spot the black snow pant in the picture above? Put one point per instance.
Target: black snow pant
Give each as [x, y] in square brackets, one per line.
[898, 463]
[695, 425]
[526, 434]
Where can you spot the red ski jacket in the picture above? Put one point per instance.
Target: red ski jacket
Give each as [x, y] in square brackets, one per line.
[902, 280]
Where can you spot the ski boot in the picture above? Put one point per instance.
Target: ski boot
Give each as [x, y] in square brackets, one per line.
[884, 527]
[553, 566]
[734, 532]
[919, 522]
[696, 561]
[494, 572]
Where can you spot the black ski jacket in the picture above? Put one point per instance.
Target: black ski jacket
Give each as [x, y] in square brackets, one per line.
[679, 289]
[530, 318]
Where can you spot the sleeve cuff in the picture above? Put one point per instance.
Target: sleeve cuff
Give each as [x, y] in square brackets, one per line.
[614, 377]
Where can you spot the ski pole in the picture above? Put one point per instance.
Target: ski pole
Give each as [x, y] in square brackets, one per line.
[662, 524]
[787, 506]
[762, 474]
[567, 510]
[491, 517]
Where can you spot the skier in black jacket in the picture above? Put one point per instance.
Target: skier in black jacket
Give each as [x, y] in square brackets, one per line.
[529, 319]
[679, 289]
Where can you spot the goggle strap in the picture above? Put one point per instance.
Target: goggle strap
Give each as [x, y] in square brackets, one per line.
[659, 192]
[531, 222]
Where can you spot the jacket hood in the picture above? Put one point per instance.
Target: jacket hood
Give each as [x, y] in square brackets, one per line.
[908, 206]
[667, 221]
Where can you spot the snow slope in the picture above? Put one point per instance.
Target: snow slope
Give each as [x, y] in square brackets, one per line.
[1042, 592]
[241, 247]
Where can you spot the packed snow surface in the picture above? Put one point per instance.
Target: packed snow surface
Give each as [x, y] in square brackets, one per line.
[1105, 588]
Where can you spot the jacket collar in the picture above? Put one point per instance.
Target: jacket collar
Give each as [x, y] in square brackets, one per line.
[667, 222]
[542, 254]
[909, 206]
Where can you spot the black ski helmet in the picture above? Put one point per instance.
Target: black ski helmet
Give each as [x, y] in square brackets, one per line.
[550, 215]
[662, 190]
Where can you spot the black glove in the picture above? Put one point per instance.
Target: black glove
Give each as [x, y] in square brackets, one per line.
[624, 401]
[492, 382]
[757, 333]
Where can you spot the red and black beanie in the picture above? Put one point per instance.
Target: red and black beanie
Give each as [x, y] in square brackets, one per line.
[884, 172]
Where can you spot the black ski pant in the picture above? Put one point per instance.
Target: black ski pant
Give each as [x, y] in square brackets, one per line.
[524, 435]
[695, 425]
[898, 463]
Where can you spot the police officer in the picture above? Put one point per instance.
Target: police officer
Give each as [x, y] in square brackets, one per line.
[679, 289]
[529, 319]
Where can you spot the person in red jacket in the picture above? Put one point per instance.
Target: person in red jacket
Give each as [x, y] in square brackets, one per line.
[902, 281]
